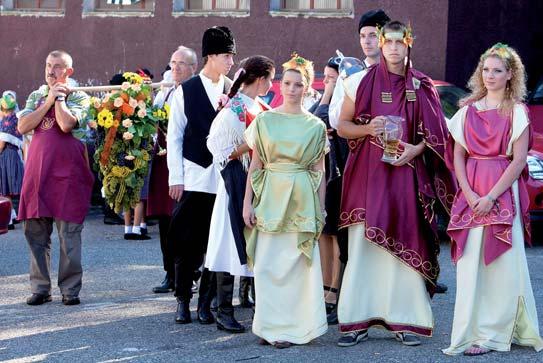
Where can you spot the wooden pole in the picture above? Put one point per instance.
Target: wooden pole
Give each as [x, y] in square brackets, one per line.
[114, 88]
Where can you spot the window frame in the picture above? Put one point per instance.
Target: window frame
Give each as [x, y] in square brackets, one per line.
[277, 8]
[9, 8]
[181, 8]
[91, 9]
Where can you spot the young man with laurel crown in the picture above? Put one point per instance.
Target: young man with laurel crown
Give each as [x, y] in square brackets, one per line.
[390, 177]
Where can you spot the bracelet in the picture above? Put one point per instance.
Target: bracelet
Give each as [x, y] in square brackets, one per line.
[491, 199]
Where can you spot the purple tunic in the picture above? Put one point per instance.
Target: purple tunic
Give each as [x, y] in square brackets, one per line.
[396, 204]
[57, 182]
[487, 135]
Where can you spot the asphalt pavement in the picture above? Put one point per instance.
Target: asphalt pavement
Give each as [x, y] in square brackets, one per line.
[120, 319]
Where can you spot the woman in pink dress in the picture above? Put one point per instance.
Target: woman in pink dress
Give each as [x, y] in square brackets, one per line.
[489, 223]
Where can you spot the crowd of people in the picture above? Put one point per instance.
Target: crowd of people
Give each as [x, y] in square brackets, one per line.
[299, 200]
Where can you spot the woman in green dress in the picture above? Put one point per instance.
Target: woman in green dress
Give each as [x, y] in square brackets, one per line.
[283, 211]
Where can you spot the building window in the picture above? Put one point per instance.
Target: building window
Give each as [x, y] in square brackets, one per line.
[339, 8]
[124, 5]
[217, 5]
[105, 8]
[44, 7]
[211, 7]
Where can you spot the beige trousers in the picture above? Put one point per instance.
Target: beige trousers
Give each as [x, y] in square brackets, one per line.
[70, 272]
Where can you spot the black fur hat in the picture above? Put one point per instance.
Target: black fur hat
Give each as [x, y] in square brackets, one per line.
[373, 18]
[218, 40]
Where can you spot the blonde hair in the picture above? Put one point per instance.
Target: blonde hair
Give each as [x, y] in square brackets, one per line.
[515, 90]
[301, 65]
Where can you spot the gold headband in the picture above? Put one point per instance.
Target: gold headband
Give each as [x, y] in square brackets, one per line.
[406, 36]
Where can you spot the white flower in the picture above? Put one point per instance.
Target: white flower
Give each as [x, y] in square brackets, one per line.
[162, 152]
[118, 102]
[133, 103]
[129, 157]
[136, 87]
[127, 122]
[142, 112]
[125, 86]
[128, 135]
[141, 104]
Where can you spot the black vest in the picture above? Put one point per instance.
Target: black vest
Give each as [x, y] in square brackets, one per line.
[200, 114]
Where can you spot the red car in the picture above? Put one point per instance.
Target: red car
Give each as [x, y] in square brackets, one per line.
[449, 95]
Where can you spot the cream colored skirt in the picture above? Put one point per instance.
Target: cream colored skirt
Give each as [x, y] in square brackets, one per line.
[380, 290]
[495, 304]
[289, 292]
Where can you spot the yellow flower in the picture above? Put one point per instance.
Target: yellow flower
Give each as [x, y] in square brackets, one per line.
[167, 110]
[108, 123]
[116, 123]
[133, 78]
[105, 118]
[145, 155]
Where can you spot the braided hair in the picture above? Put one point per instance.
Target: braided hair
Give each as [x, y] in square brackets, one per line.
[252, 68]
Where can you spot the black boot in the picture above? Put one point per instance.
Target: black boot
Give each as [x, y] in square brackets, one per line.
[225, 314]
[182, 316]
[207, 291]
[167, 285]
[245, 286]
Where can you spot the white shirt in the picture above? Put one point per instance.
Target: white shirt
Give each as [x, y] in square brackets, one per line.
[336, 102]
[182, 171]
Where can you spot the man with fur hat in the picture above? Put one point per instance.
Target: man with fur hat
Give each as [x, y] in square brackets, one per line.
[367, 29]
[193, 181]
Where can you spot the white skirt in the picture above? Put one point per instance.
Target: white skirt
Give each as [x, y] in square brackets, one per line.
[289, 292]
[380, 290]
[495, 304]
[222, 254]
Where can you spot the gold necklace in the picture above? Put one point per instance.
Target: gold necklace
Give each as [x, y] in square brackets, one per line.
[486, 105]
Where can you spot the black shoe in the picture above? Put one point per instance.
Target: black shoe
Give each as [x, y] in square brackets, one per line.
[167, 285]
[205, 316]
[11, 227]
[70, 300]
[229, 324]
[441, 288]
[38, 299]
[182, 315]
[144, 231]
[136, 237]
[113, 220]
[352, 338]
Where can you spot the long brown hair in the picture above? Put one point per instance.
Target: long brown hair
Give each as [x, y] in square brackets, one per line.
[515, 90]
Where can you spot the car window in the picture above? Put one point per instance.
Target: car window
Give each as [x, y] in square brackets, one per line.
[449, 97]
[268, 97]
[536, 98]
